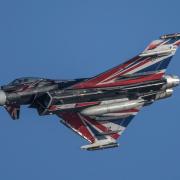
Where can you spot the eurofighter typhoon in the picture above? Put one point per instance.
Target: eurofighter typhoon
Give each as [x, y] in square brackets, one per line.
[100, 108]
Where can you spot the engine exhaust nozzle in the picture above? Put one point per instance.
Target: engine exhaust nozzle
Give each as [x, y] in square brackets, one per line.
[171, 81]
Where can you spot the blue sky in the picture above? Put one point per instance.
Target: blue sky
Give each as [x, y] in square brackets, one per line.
[68, 39]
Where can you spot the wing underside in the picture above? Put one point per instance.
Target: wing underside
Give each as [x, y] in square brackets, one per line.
[101, 132]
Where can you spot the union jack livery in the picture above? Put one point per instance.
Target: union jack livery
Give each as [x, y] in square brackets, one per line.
[100, 108]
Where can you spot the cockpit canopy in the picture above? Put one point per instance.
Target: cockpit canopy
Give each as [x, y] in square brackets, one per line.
[24, 80]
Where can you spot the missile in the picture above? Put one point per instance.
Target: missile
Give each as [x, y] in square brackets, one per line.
[167, 36]
[112, 108]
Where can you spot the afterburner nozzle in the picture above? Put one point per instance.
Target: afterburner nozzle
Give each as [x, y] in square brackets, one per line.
[171, 81]
[2, 98]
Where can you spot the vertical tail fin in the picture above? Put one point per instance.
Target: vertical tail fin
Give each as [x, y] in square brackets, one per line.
[154, 59]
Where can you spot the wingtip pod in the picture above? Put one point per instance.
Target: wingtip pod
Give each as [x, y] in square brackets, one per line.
[169, 36]
[100, 145]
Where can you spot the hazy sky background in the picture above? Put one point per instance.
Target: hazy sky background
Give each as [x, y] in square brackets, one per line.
[67, 39]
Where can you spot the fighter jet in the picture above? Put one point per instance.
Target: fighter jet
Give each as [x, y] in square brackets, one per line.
[101, 107]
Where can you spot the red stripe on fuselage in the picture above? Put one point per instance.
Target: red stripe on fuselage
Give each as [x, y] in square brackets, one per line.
[84, 104]
[124, 82]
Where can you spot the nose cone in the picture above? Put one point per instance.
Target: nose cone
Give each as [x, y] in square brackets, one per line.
[2, 98]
